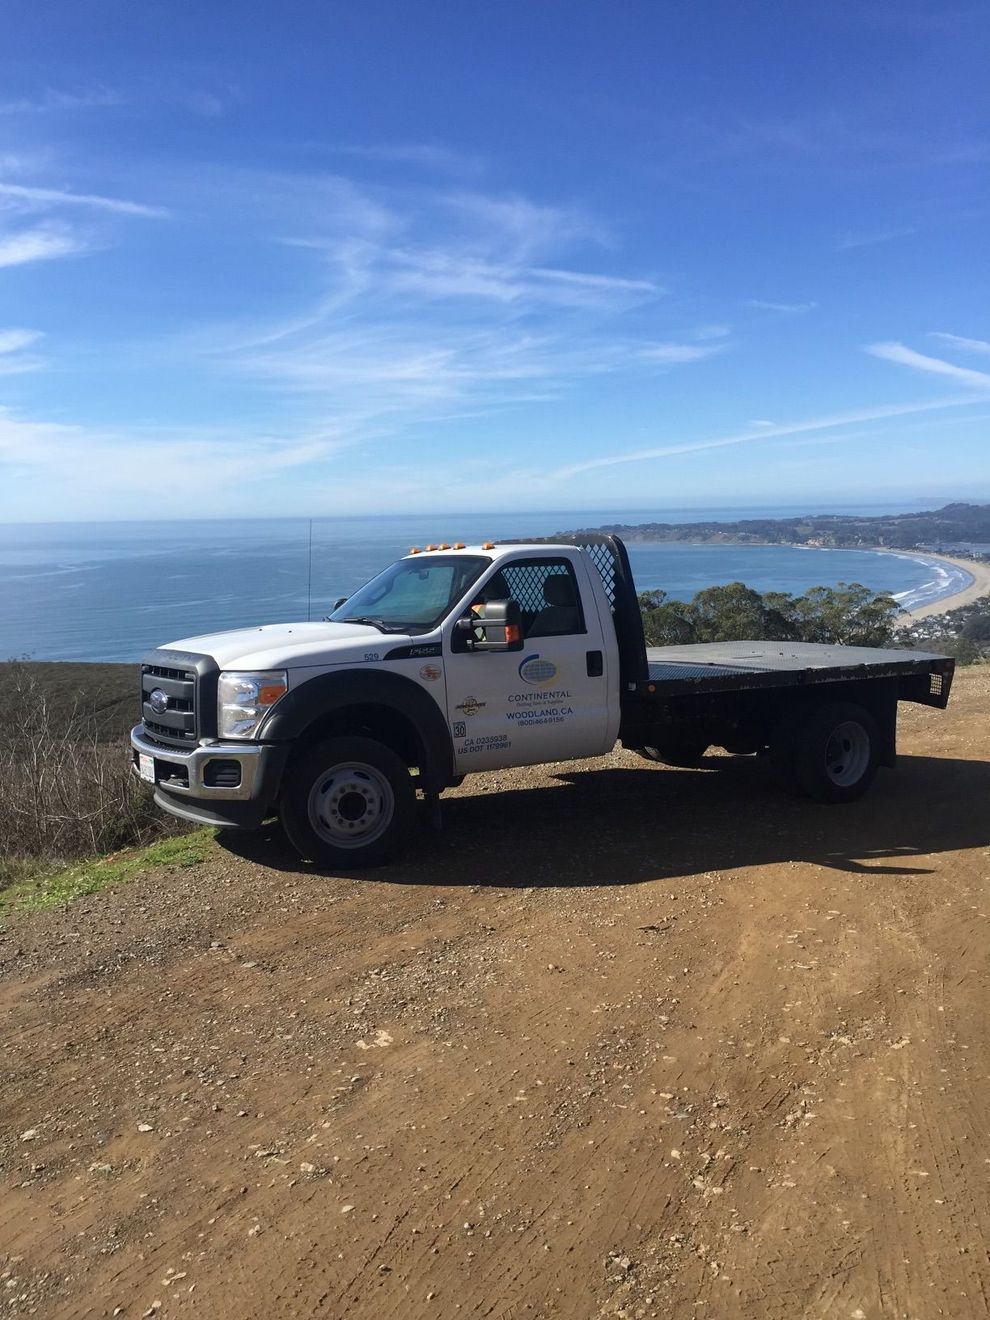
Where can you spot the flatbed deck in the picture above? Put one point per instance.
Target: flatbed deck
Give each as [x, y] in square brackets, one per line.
[730, 666]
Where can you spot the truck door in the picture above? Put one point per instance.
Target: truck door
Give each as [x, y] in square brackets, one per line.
[548, 702]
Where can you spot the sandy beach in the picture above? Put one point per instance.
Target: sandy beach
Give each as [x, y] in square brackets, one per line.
[980, 586]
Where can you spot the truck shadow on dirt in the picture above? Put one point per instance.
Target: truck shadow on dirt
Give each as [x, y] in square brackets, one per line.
[628, 826]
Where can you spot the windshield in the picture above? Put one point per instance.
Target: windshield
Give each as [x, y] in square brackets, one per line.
[412, 595]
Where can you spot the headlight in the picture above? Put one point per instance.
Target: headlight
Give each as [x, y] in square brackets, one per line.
[243, 701]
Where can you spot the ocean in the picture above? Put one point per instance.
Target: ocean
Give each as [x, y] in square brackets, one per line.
[111, 591]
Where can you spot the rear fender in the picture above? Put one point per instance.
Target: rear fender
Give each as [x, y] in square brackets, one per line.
[878, 696]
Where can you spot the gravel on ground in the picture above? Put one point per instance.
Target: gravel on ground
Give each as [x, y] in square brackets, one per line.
[619, 1041]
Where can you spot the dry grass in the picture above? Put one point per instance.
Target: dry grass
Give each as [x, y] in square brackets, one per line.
[66, 786]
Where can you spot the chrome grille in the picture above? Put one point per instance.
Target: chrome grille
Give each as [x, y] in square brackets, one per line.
[176, 724]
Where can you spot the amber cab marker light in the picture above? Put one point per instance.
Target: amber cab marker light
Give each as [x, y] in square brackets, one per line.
[431, 547]
[488, 545]
[443, 546]
[458, 545]
[415, 550]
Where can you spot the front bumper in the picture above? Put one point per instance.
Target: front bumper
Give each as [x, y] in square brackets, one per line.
[229, 785]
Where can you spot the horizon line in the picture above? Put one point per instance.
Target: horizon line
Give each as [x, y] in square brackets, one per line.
[943, 502]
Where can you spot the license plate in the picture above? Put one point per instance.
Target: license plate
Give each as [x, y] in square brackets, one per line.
[146, 767]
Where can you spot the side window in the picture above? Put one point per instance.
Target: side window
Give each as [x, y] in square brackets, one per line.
[548, 596]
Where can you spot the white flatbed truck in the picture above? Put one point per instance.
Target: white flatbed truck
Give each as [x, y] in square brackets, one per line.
[461, 658]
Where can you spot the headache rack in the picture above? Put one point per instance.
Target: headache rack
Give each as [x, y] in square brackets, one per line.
[608, 554]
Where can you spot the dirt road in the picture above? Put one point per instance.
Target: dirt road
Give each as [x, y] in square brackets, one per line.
[634, 1042]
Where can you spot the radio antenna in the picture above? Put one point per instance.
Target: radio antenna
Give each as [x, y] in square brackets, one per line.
[309, 579]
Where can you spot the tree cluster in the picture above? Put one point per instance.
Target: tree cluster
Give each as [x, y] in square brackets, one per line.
[848, 614]
[963, 633]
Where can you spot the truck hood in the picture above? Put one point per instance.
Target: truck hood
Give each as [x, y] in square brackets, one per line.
[285, 645]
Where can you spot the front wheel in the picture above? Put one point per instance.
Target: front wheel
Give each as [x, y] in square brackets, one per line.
[348, 802]
[834, 753]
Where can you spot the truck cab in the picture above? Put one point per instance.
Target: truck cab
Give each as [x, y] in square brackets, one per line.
[454, 659]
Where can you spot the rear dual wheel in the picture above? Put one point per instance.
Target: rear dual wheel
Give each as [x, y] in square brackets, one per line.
[832, 754]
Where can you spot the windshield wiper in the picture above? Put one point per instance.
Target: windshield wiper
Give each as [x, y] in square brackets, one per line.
[380, 624]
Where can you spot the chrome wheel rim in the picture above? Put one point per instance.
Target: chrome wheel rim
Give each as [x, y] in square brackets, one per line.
[847, 754]
[351, 805]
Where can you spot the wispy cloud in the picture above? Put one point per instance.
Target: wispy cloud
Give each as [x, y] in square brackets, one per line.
[401, 369]
[873, 238]
[12, 341]
[35, 198]
[316, 210]
[964, 345]
[432, 299]
[53, 99]
[21, 162]
[588, 280]
[784, 308]
[13, 359]
[846, 141]
[450, 273]
[118, 465]
[523, 229]
[714, 331]
[668, 354]
[56, 232]
[907, 357]
[762, 432]
[422, 155]
[209, 105]
[41, 243]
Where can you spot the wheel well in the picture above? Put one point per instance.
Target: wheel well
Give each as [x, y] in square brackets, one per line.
[383, 723]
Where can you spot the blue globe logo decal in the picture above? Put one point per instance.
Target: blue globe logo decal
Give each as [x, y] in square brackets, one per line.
[536, 671]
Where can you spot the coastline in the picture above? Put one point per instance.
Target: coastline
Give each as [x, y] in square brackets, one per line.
[979, 584]
[936, 584]
[977, 573]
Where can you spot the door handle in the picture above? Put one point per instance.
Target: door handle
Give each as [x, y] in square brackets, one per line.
[596, 663]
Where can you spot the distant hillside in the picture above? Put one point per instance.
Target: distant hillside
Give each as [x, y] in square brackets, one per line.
[952, 525]
[80, 698]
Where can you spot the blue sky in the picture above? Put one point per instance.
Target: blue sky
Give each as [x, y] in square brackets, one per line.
[336, 258]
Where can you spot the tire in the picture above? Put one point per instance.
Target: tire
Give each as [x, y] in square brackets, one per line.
[348, 802]
[685, 755]
[834, 753]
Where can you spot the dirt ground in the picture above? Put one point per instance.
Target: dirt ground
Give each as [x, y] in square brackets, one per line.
[632, 1042]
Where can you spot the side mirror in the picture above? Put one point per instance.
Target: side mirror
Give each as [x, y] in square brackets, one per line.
[494, 626]
[341, 600]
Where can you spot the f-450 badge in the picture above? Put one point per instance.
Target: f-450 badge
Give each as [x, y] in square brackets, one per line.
[471, 705]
